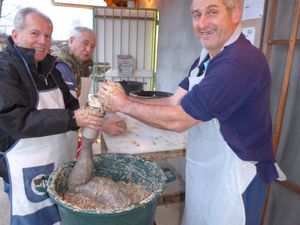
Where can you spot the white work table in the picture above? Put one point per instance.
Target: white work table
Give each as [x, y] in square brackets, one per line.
[149, 143]
[144, 140]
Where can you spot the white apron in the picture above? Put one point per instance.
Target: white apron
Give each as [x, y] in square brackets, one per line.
[215, 176]
[83, 100]
[28, 160]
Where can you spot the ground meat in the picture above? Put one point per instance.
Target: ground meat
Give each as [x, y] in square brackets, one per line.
[103, 194]
[87, 191]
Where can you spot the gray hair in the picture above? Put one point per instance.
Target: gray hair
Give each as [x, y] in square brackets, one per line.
[79, 30]
[230, 4]
[22, 13]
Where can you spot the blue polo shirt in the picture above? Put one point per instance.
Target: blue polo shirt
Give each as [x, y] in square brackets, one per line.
[236, 91]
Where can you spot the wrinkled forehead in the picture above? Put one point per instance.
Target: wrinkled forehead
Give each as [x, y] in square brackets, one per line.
[229, 5]
[85, 36]
[202, 4]
[38, 21]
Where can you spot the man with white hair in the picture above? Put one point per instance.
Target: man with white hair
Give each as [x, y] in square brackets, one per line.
[37, 111]
[224, 103]
[75, 60]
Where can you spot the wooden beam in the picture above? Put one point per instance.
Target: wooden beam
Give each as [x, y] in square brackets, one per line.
[171, 198]
[125, 17]
[286, 76]
[284, 89]
[272, 9]
[291, 186]
[162, 155]
[71, 5]
[282, 42]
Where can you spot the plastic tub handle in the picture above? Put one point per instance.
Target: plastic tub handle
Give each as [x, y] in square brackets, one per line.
[169, 173]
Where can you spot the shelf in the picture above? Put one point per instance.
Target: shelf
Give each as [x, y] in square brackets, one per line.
[282, 42]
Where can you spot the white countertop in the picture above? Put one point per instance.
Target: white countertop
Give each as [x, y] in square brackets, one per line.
[141, 138]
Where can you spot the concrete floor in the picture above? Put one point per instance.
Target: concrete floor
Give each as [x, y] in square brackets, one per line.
[169, 214]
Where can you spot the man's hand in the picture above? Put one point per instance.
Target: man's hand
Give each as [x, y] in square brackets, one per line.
[85, 118]
[114, 125]
[112, 96]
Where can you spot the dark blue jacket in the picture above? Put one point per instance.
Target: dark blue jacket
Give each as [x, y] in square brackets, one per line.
[19, 117]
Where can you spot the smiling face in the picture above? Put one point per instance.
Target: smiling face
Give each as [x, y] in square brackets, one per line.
[214, 23]
[82, 46]
[36, 34]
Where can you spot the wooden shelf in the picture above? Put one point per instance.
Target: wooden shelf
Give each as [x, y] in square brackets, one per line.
[290, 186]
[282, 42]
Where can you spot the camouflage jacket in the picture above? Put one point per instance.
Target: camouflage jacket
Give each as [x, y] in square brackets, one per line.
[64, 54]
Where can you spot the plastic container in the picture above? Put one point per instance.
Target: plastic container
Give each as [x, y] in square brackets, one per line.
[150, 94]
[129, 86]
[119, 167]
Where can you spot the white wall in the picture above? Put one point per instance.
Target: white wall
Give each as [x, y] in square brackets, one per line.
[177, 46]
[177, 49]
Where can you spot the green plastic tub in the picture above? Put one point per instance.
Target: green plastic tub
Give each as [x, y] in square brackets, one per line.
[119, 167]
